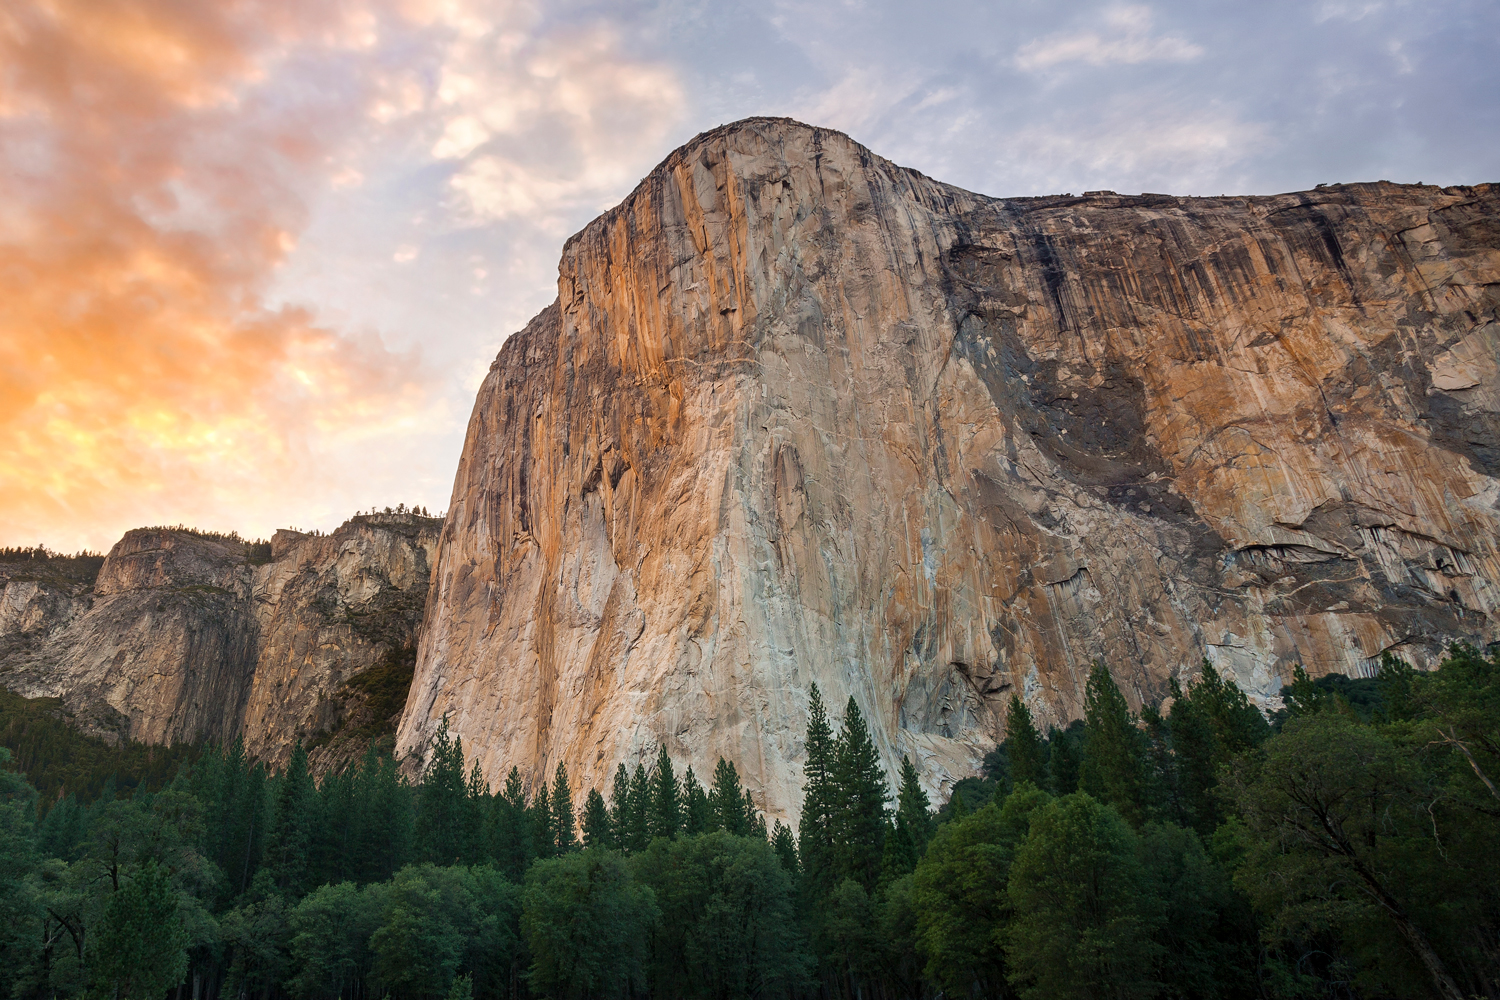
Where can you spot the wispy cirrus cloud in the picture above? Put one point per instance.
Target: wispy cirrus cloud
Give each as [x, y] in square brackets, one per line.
[539, 126]
[1123, 36]
[1149, 143]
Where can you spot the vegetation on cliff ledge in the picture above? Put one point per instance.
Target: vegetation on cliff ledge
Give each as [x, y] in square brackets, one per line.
[1343, 849]
[45, 566]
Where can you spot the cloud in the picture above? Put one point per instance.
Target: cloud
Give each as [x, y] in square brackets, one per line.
[858, 99]
[1133, 144]
[541, 125]
[226, 228]
[163, 163]
[154, 182]
[1125, 39]
[1331, 10]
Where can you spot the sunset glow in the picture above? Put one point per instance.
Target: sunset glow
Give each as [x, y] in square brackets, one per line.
[256, 255]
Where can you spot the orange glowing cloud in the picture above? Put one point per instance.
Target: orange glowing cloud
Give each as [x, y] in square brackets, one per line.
[150, 184]
[163, 167]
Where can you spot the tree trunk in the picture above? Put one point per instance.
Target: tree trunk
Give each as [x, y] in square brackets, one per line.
[1463, 749]
[1446, 987]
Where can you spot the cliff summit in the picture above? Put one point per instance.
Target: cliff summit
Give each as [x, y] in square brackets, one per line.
[800, 415]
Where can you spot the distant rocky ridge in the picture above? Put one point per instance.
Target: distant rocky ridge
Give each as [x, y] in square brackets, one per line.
[191, 636]
[802, 415]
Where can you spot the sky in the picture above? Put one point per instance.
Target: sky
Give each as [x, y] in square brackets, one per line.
[256, 256]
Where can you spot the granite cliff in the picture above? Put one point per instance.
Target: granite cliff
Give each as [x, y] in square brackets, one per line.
[802, 415]
[187, 636]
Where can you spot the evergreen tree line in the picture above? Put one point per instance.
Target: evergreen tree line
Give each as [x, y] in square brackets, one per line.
[58, 759]
[1195, 849]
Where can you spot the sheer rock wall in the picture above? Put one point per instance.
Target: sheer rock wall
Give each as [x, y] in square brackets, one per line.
[184, 637]
[801, 415]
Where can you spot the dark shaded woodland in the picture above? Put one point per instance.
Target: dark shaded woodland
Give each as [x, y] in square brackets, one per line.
[1344, 848]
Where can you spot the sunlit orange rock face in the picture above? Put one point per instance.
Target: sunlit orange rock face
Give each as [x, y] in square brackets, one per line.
[801, 415]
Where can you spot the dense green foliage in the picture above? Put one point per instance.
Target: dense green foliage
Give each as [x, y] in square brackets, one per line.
[1339, 850]
[59, 761]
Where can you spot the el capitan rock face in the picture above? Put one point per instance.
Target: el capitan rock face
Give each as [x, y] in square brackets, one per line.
[186, 636]
[801, 415]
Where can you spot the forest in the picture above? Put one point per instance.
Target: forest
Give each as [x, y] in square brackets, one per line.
[1343, 848]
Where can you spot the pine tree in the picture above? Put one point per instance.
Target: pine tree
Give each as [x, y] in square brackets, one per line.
[336, 828]
[386, 825]
[897, 857]
[1396, 681]
[442, 802]
[63, 828]
[666, 805]
[1208, 725]
[1024, 745]
[907, 836]
[697, 811]
[141, 947]
[619, 809]
[236, 815]
[290, 840]
[1163, 787]
[562, 812]
[638, 830]
[1239, 725]
[755, 819]
[598, 831]
[859, 814]
[1063, 766]
[815, 830]
[543, 831]
[476, 803]
[913, 808]
[19, 861]
[727, 800]
[1303, 696]
[1112, 768]
[785, 847]
[511, 843]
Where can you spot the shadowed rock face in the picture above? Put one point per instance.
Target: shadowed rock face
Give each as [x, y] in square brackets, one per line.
[185, 637]
[801, 415]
